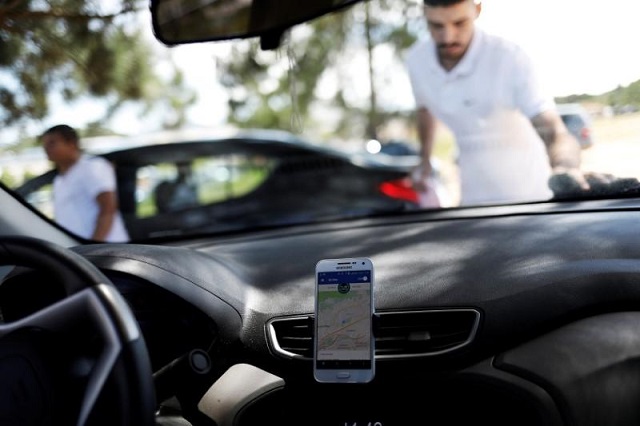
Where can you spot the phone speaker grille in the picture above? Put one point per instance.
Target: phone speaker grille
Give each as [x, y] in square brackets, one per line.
[398, 334]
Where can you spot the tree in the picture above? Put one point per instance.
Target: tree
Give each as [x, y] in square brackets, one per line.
[76, 48]
[314, 71]
[270, 88]
[625, 96]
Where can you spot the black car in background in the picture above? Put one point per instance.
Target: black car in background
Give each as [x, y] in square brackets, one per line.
[247, 179]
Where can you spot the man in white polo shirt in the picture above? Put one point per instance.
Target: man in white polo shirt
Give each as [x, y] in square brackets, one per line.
[484, 89]
[84, 190]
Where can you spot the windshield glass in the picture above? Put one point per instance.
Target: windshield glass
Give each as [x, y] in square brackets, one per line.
[382, 108]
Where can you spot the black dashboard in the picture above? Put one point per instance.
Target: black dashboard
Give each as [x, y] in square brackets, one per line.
[509, 315]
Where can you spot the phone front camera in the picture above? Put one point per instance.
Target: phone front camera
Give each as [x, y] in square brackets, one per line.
[363, 263]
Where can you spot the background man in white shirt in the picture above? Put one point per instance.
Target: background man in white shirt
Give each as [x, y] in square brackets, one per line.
[485, 90]
[85, 197]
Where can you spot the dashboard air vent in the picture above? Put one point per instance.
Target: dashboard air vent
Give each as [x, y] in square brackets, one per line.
[291, 337]
[422, 333]
[402, 334]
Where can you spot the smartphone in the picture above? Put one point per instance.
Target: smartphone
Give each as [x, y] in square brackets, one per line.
[344, 345]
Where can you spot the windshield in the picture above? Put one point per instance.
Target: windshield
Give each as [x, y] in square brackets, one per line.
[381, 108]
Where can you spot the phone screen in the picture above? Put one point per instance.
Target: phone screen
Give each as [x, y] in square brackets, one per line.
[344, 343]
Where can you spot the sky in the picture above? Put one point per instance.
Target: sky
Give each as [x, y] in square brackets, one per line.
[580, 46]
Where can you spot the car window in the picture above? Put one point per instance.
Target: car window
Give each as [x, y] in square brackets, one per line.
[323, 121]
[573, 119]
[170, 187]
[42, 200]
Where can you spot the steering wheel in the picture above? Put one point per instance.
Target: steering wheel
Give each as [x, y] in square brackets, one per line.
[81, 360]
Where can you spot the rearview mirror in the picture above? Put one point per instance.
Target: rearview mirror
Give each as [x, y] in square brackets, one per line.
[196, 21]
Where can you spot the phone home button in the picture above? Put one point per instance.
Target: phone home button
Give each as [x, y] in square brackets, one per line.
[343, 375]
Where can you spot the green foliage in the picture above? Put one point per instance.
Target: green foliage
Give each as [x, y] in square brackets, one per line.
[8, 179]
[624, 96]
[312, 72]
[621, 96]
[28, 175]
[96, 129]
[575, 98]
[75, 48]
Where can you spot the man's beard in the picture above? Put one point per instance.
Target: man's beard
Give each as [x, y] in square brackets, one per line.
[445, 53]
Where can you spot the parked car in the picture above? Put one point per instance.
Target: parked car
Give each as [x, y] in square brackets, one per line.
[393, 147]
[245, 179]
[505, 314]
[403, 152]
[578, 122]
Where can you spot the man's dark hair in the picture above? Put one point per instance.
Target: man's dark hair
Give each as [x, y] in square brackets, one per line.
[67, 132]
[439, 3]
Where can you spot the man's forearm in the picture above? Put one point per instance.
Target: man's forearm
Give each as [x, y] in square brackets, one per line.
[564, 153]
[426, 133]
[104, 222]
[562, 148]
[107, 210]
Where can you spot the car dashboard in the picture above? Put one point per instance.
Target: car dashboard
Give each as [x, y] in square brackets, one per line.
[524, 314]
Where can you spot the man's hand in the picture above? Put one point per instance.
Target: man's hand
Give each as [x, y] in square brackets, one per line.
[572, 183]
[568, 181]
[420, 177]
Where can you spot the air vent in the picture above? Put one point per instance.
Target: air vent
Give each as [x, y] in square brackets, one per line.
[403, 334]
[291, 337]
[424, 333]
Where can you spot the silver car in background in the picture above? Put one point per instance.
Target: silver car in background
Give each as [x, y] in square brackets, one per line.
[578, 122]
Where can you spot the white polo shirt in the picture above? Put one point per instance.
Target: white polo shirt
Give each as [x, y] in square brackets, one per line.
[487, 102]
[74, 197]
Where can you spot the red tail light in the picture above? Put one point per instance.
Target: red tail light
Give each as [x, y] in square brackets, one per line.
[401, 189]
[584, 133]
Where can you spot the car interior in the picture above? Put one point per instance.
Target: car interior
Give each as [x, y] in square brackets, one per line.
[524, 313]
